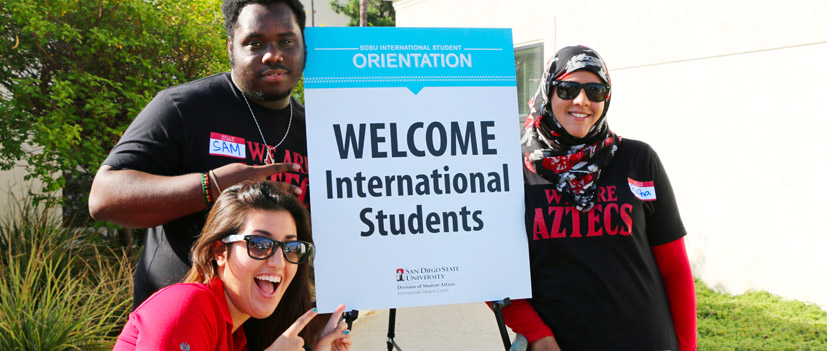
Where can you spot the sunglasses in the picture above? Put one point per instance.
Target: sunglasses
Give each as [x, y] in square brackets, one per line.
[567, 90]
[262, 247]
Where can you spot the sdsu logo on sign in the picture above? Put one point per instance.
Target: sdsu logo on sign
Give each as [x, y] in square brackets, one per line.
[424, 274]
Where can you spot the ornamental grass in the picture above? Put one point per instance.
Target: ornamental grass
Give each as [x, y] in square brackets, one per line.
[60, 288]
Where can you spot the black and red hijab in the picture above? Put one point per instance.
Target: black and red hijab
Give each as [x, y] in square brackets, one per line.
[572, 164]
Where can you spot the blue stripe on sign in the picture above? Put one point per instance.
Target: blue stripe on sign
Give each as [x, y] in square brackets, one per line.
[414, 58]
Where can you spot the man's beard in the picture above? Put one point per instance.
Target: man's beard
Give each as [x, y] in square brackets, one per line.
[261, 96]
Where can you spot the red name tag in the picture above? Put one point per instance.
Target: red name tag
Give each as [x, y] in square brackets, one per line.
[227, 145]
[643, 190]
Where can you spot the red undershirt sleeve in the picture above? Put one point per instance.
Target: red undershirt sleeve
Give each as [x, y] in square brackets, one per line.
[673, 264]
[521, 317]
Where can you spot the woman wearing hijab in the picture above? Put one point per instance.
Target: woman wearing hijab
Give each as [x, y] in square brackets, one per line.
[608, 263]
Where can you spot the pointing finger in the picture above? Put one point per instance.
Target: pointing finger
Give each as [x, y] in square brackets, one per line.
[334, 318]
[300, 323]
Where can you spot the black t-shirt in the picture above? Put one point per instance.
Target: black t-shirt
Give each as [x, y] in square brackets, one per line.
[595, 281]
[193, 128]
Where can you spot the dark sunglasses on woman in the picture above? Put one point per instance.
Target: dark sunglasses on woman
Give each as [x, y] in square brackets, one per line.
[262, 247]
[568, 90]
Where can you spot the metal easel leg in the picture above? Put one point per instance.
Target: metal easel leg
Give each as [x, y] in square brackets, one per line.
[391, 331]
[497, 306]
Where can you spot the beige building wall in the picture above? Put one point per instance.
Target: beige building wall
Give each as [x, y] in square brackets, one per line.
[11, 189]
[14, 189]
[730, 95]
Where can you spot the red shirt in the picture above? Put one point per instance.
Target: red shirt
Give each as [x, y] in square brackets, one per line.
[183, 317]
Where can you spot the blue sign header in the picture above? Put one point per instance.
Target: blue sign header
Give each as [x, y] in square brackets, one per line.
[414, 58]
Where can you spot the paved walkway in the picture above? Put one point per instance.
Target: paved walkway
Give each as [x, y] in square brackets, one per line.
[448, 327]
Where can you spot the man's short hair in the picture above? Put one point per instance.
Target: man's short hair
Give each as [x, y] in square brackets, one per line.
[231, 9]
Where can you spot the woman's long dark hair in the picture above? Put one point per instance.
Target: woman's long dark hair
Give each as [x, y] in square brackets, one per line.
[228, 216]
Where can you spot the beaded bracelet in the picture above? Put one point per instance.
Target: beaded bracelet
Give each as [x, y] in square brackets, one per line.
[205, 187]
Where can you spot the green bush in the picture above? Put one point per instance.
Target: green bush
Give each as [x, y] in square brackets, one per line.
[73, 75]
[60, 289]
[757, 321]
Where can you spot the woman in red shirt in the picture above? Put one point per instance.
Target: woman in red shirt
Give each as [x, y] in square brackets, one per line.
[250, 261]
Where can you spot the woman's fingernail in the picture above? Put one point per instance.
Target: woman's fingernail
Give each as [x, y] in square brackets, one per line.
[347, 332]
[315, 309]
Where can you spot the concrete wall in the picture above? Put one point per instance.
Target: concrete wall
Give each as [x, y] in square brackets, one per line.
[11, 189]
[728, 93]
[14, 190]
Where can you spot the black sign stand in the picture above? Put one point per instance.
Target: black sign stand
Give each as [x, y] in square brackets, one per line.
[391, 331]
[349, 317]
[497, 307]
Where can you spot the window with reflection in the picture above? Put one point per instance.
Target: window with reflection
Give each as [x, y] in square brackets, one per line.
[529, 61]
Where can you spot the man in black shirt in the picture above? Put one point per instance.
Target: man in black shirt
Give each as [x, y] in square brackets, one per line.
[197, 138]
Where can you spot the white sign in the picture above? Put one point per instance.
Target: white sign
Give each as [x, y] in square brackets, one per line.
[416, 183]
